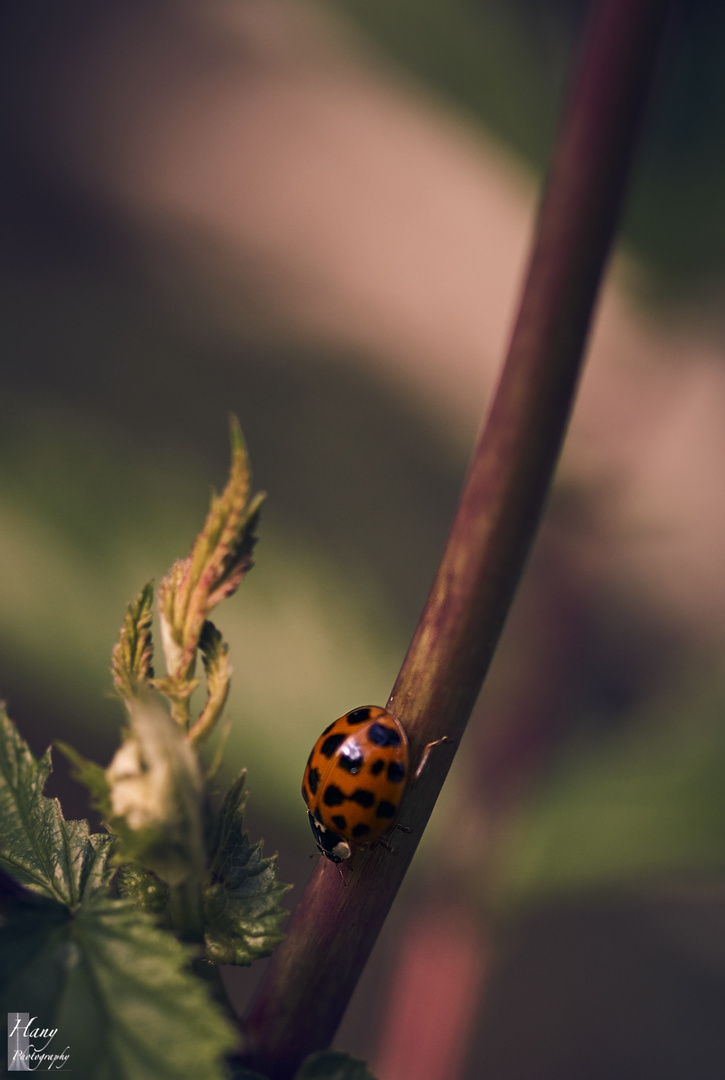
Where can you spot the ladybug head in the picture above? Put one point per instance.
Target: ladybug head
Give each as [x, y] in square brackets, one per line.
[333, 846]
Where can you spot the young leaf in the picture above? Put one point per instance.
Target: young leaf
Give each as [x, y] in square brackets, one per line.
[53, 858]
[156, 795]
[241, 893]
[171, 624]
[222, 552]
[146, 891]
[219, 559]
[332, 1065]
[132, 655]
[92, 776]
[218, 670]
[119, 991]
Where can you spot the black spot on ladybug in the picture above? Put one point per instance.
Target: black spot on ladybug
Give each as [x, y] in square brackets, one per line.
[382, 735]
[331, 744]
[377, 767]
[339, 821]
[363, 797]
[313, 779]
[351, 759]
[333, 796]
[360, 830]
[358, 716]
[396, 772]
[385, 809]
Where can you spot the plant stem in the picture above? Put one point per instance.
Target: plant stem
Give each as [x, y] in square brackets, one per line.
[184, 909]
[307, 986]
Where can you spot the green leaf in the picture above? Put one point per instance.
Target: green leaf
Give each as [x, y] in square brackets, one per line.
[241, 893]
[119, 991]
[54, 858]
[91, 776]
[332, 1065]
[132, 655]
[134, 883]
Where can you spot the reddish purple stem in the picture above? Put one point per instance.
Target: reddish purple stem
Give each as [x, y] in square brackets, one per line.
[308, 984]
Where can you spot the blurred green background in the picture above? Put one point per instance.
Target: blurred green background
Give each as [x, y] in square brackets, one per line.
[130, 329]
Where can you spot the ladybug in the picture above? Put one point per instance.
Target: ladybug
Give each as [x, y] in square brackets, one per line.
[354, 781]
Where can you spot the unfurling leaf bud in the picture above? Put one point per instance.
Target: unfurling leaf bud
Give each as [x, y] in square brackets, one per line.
[156, 795]
[219, 559]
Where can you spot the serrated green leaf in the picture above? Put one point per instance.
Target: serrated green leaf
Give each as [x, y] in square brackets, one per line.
[91, 776]
[119, 991]
[241, 893]
[132, 655]
[52, 857]
[333, 1065]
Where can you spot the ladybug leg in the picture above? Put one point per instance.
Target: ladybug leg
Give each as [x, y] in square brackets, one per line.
[382, 842]
[426, 753]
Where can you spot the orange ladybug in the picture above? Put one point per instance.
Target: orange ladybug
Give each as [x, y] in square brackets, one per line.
[355, 779]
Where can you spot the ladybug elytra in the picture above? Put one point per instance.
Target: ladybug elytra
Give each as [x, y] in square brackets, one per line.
[355, 779]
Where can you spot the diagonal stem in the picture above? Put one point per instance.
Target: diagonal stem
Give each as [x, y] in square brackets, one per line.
[308, 984]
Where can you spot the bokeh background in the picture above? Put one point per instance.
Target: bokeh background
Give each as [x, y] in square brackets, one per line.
[316, 215]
